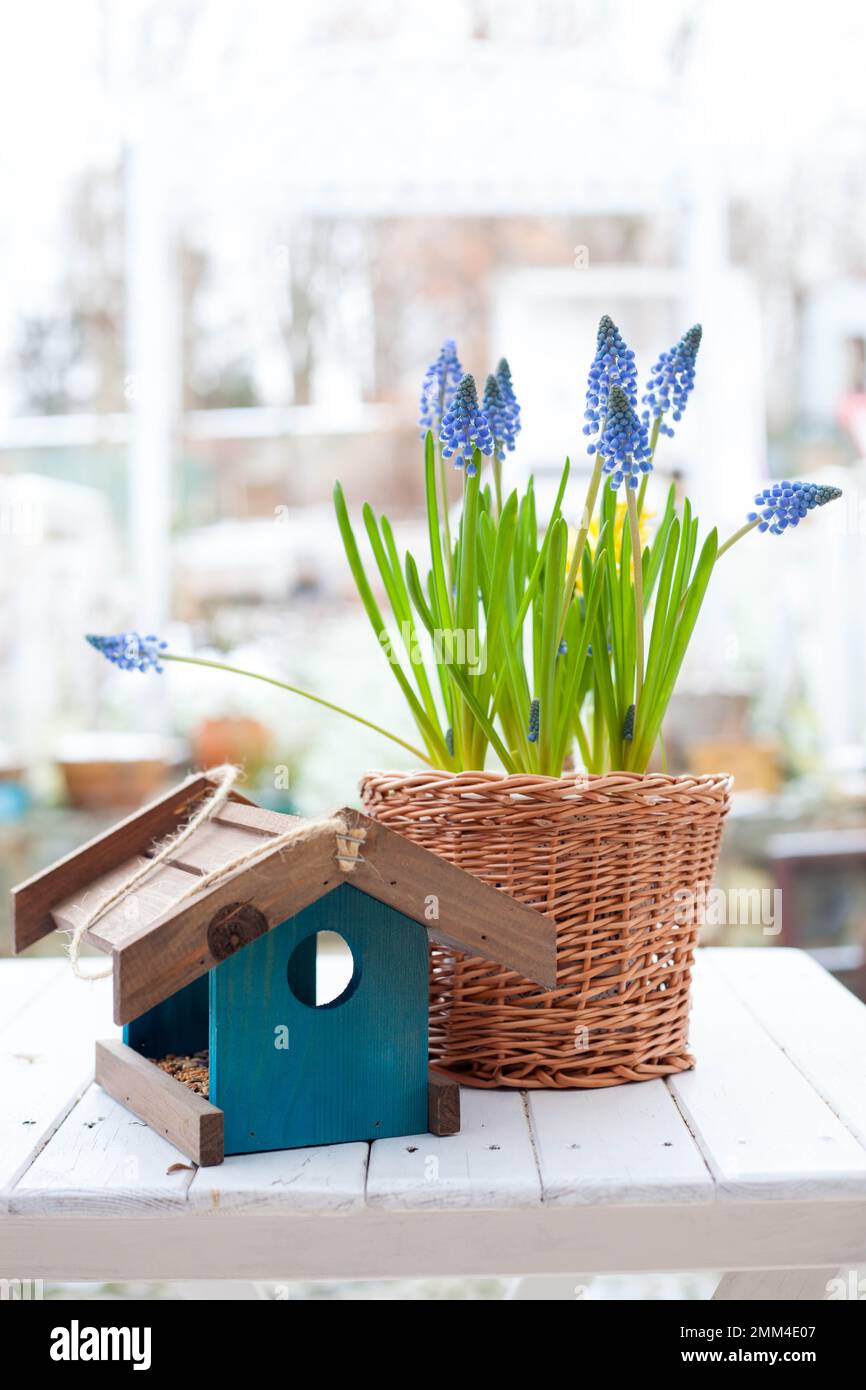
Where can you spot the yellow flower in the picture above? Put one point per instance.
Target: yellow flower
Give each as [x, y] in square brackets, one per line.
[620, 520]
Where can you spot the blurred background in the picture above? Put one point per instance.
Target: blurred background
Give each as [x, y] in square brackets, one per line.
[235, 236]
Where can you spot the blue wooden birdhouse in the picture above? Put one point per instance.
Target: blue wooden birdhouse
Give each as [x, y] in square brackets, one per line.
[240, 1032]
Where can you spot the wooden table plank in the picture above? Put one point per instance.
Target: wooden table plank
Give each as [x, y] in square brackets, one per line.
[374, 1243]
[490, 1163]
[624, 1144]
[816, 1021]
[329, 1179]
[102, 1161]
[46, 1061]
[763, 1130]
[18, 988]
[756, 1115]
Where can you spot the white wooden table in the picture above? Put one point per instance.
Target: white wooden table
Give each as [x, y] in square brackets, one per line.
[753, 1162]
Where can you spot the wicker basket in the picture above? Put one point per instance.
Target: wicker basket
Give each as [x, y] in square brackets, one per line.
[612, 860]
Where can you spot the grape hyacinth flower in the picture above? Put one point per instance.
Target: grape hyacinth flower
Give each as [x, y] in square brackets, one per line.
[785, 504]
[672, 381]
[534, 721]
[624, 444]
[437, 390]
[502, 411]
[506, 387]
[613, 365]
[497, 418]
[628, 725]
[465, 427]
[130, 651]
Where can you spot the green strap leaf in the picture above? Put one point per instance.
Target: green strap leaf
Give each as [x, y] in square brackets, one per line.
[682, 635]
[580, 636]
[432, 734]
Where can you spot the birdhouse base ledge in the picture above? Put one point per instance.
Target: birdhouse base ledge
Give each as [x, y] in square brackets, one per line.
[195, 1126]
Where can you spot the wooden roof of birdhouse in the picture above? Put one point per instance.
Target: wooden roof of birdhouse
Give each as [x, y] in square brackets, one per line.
[161, 936]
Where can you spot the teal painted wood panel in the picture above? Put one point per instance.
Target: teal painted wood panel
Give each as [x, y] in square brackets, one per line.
[179, 1024]
[353, 1069]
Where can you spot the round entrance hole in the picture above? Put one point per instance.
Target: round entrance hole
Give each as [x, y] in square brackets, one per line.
[322, 970]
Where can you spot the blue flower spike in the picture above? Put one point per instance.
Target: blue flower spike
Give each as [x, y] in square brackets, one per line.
[506, 387]
[613, 365]
[130, 651]
[624, 444]
[784, 504]
[628, 725]
[465, 427]
[494, 408]
[437, 391]
[672, 381]
[502, 410]
[534, 721]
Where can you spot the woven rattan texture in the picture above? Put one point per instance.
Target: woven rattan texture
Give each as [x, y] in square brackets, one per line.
[613, 861]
